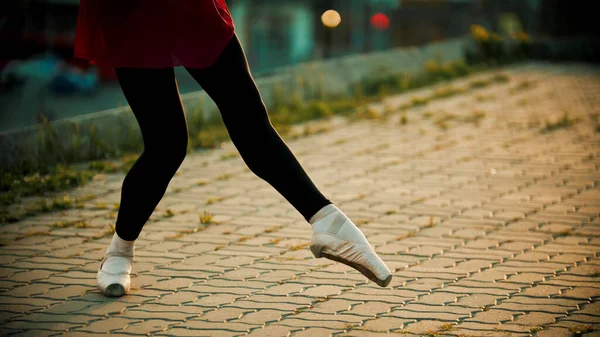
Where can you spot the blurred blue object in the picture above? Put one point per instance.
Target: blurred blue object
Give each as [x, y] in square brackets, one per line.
[40, 67]
[74, 80]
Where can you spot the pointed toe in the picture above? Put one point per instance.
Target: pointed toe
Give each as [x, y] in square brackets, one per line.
[356, 255]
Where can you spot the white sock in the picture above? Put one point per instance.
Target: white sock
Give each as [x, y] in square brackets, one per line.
[119, 247]
[332, 220]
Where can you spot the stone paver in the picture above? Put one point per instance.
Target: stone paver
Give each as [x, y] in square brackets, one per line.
[491, 226]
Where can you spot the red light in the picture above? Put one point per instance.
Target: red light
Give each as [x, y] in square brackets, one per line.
[380, 21]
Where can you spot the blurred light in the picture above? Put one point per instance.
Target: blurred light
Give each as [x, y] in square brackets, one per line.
[380, 21]
[331, 18]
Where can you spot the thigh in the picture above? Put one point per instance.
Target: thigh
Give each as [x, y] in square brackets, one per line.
[229, 82]
[154, 99]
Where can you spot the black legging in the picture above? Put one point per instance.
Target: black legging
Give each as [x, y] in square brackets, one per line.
[154, 99]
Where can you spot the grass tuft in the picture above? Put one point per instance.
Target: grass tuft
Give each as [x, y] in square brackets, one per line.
[206, 218]
[564, 122]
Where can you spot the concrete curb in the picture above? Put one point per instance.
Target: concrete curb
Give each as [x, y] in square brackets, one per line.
[91, 136]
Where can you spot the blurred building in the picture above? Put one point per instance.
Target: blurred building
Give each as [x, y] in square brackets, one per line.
[273, 32]
[282, 32]
[564, 18]
[32, 26]
[289, 31]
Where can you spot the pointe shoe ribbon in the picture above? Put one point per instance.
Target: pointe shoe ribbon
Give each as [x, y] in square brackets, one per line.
[117, 282]
[357, 255]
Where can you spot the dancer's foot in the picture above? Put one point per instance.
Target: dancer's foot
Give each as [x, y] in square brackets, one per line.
[113, 274]
[337, 238]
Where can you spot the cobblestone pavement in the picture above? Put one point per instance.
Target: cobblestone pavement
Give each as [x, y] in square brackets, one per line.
[485, 203]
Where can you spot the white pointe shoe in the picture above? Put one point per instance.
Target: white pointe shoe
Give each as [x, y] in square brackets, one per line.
[113, 275]
[357, 255]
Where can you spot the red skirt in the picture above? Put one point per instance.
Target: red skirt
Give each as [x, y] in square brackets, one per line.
[152, 33]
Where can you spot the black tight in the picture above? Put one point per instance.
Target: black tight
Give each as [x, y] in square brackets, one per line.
[154, 99]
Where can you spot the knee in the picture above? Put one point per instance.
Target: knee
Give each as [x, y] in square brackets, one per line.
[169, 153]
[179, 151]
[176, 150]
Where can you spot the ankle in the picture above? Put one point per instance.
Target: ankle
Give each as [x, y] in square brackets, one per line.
[121, 247]
[323, 212]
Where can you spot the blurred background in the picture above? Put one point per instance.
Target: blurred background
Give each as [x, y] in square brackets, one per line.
[41, 78]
